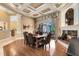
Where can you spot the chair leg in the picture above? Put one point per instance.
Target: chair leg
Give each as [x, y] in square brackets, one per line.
[24, 42]
[45, 46]
[49, 45]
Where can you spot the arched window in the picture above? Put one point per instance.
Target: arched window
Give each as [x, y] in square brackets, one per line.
[69, 17]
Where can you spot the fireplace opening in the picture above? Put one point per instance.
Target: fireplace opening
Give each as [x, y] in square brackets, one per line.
[67, 35]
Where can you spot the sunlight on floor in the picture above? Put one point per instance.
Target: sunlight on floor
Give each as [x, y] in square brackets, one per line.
[13, 51]
[1, 51]
[7, 41]
[52, 47]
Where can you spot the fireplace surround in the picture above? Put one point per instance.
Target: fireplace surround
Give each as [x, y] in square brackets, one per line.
[72, 33]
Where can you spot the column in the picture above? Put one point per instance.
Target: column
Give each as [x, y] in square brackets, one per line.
[19, 29]
[57, 24]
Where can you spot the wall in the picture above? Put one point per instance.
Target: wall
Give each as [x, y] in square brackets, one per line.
[55, 17]
[4, 17]
[4, 34]
[44, 19]
[76, 18]
[27, 21]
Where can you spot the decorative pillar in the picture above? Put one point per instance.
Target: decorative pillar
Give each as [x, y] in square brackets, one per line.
[19, 28]
[56, 20]
[34, 25]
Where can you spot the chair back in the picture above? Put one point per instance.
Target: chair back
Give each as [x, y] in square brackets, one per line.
[25, 36]
[48, 38]
[30, 38]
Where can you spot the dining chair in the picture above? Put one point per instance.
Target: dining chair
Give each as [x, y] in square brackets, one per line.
[25, 34]
[31, 40]
[40, 41]
[47, 40]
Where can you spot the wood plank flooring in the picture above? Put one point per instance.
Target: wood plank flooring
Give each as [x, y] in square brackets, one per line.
[60, 50]
[17, 48]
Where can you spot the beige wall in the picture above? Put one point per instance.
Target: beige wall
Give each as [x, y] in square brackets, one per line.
[76, 19]
[28, 21]
[4, 17]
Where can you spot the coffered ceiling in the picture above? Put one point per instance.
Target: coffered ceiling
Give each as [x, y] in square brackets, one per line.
[35, 9]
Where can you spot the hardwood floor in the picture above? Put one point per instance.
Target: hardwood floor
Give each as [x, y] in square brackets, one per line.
[60, 50]
[17, 48]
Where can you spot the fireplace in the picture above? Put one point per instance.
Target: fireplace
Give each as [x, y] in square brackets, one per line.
[72, 33]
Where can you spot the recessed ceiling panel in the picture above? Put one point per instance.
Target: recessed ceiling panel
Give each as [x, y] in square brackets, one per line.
[36, 9]
[35, 14]
[16, 4]
[26, 11]
[36, 5]
[46, 10]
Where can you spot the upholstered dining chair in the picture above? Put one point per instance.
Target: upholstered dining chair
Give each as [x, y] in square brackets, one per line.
[25, 34]
[47, 40]
[31, 40]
